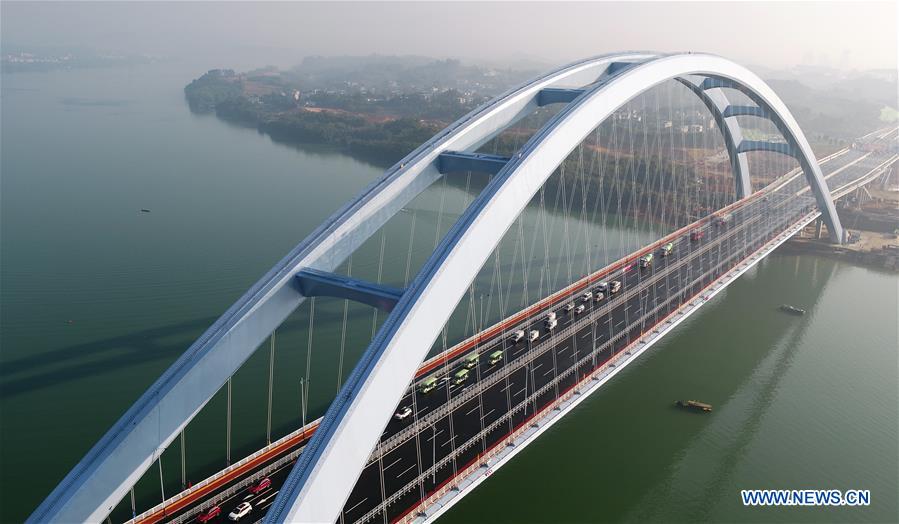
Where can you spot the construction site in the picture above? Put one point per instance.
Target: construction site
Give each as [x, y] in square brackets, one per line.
[870, 216]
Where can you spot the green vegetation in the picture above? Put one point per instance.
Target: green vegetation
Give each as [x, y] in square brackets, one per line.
[211, 89]
[387, 141]
[381, 127]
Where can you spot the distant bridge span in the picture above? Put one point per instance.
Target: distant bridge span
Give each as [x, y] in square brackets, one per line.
[323, 477]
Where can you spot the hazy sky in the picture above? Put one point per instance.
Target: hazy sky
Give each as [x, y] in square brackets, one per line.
[847, 35]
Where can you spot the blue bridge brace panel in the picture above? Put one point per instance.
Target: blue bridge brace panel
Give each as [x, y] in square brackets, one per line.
[315, 283]
[555, 95]
[713, 82]
[618, 67]
[730, 111]
[461, 162]
[760, 145]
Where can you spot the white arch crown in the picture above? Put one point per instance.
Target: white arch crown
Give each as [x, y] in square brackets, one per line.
[322, 479]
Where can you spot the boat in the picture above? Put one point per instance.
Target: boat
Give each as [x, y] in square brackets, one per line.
[694, 405]
[144, 210]
[786, 308]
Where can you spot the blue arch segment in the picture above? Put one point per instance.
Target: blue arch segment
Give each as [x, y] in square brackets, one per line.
[315, 283]
[713, 82]
[462, 162]
[773, 147]
[556, 95]
[732, 111]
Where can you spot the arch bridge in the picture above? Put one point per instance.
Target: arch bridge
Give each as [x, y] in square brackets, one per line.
[320, 483]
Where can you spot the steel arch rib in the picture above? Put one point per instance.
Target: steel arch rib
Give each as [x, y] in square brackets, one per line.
[326, 471]
[91, 489]
[716, 102]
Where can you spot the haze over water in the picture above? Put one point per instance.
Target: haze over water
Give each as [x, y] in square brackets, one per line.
[97, 299]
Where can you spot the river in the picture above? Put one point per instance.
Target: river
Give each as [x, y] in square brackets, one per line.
[97, 298]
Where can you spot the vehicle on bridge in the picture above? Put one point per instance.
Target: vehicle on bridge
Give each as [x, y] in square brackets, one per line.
[568, 307]
[722, 220]
[471, 360]
[242, 510]
[646, 261]
[460, 377]
[495, 358]
[697, 234]
[403, 413]
[598, 296]
[427, 385]
[667, 249]
[534, 335]
[586, 296]
[614, 287]
[260, 486]
[551, 323]
[209, 514]
[515, 337]
[603, 287]
[579, 310]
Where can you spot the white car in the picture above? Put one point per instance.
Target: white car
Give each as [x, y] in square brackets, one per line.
[534, 335]
[551, 323]
[242, 510]
[569, 306]
[615, 287]
[598, 296]
[404, 412]
[586, 296]
[579, 310]
[515, 337]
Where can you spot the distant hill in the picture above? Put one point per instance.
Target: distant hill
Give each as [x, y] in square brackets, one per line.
[847, 108]
[406, 73]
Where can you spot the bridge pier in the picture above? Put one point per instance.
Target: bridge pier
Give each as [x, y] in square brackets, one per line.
[818, 224]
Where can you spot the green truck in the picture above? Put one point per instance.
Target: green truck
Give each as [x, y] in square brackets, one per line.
[460, 377]
[427, 385]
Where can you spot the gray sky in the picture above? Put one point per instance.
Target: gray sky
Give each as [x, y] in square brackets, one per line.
[845, 35]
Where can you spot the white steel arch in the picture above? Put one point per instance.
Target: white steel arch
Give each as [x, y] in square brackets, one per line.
[103, 477]
[323, 477]
[89, 492]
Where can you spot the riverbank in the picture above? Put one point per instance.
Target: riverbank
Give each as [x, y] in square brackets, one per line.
[873, 237]
[877, 250]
